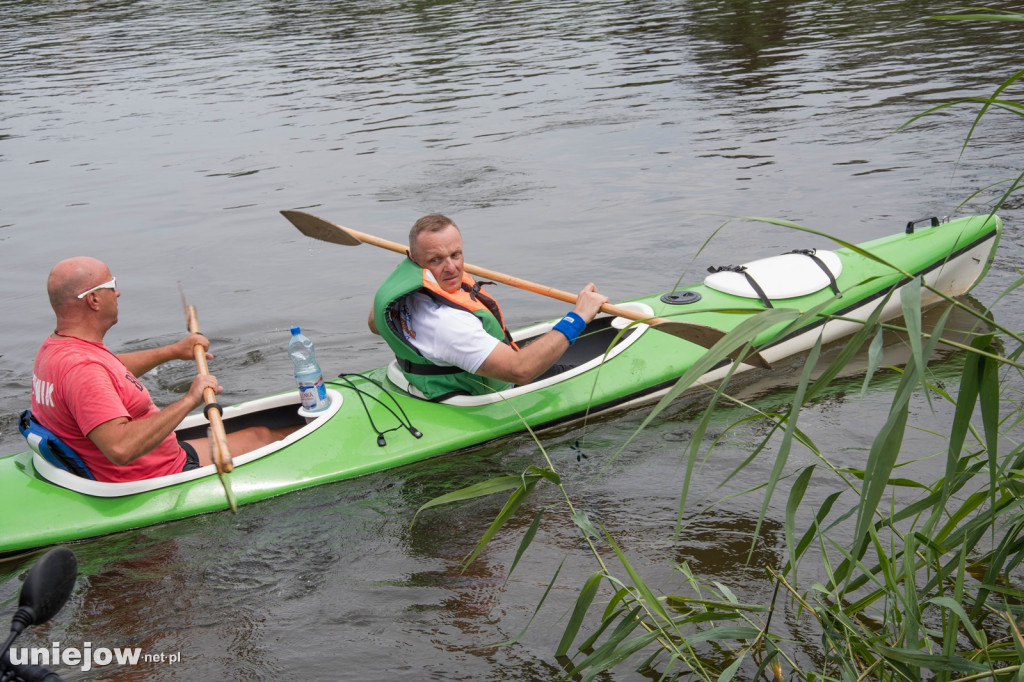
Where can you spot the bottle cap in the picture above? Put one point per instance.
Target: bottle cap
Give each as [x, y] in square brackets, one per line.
[296, 330]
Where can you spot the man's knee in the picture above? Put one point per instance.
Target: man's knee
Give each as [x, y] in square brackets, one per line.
[263, 434]
[253, 437]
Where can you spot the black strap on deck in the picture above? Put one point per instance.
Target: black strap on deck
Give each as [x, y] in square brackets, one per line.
[810, 253]
[742, 269]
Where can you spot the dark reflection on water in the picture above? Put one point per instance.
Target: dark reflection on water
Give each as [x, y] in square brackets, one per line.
[725, 542]
[572, 142]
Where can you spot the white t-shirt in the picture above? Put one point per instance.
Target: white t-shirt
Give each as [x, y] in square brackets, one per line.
[444, 335]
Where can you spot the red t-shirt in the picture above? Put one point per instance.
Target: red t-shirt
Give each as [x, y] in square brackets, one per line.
[78, 385]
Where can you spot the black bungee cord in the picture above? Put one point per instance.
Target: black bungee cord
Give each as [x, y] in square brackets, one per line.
[403, 421]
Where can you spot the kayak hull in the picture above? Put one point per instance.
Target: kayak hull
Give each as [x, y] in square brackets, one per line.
[951, 257]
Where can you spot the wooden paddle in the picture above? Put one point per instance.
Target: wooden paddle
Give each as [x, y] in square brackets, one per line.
[218, 437]
[324, 230]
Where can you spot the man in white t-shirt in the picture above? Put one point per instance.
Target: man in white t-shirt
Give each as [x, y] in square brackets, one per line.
[433, 307]
[445, 335]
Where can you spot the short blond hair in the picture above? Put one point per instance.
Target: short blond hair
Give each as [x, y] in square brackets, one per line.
[433, 222]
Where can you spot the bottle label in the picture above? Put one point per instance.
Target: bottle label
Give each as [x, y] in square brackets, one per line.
[314, 395]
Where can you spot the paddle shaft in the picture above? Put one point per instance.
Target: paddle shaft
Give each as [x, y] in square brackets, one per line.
[218, 437]
[702, 335]
[516, 282]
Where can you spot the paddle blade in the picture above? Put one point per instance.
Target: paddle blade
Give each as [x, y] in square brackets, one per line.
[705, 337]
[694, 333]
[318, 228]
[48, 585]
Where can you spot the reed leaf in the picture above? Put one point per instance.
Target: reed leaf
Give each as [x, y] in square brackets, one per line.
[910, 301]
[955, 608]
[796, 496]
[583, 602]
[515, 500]
[882, 458]
[782, 456]
[957, 616]
[813, 531]
[910, 609]
[875, 355]
[620, 597]
[536, 610]
[990, 15]
[609, 619]
[482, 489]
[606, 658]
[988, 400]
[583, 522]
[741, 335]
[730, 672]
[527, 540]
[626, 624]
[850, 348]
[724, 632]
[651, 603]
[915, 659]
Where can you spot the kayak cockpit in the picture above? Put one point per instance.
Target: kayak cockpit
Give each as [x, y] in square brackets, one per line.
[273, 411]
[604, 338]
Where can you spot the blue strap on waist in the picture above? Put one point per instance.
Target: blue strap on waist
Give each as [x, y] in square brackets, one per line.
[50, 447]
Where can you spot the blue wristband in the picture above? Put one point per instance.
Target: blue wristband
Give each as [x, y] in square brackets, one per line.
[572, 325]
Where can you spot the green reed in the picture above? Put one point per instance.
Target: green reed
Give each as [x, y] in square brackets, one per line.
[927, 585]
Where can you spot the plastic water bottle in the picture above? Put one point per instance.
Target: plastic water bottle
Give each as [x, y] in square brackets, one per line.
[307, 372]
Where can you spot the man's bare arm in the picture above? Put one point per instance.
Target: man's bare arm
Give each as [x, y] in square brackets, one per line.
[523, 366]
[124, 440]
[141, 361]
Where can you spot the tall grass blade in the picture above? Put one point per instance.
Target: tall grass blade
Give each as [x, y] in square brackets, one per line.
[515, 500]
[796, 496]
[482, 489]
[583, 522]
[536, 610]
[875, 354]
[527, 540]
[782, 456]
[882, 458]
[601, 655]
[988, 399]
[920, 660]
[910, 301]
[815, 530]
[651, 603]
[579, 612]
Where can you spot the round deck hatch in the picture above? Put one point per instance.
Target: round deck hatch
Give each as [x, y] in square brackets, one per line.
[680, 297]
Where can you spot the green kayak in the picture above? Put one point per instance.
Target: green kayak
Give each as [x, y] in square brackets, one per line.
[376, 423]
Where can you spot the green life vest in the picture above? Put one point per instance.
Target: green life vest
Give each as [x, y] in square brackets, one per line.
[434, 381]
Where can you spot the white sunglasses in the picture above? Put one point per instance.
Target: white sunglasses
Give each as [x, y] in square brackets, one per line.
[112, 284]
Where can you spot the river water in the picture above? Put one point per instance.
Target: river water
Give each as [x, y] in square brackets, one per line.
[572, 142]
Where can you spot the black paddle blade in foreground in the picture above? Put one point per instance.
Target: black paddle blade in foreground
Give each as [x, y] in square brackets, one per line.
[321, 229]
[48, 585]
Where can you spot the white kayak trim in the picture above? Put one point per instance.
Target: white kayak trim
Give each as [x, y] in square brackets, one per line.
[786, 276]
[396, 377]
[68, 480]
